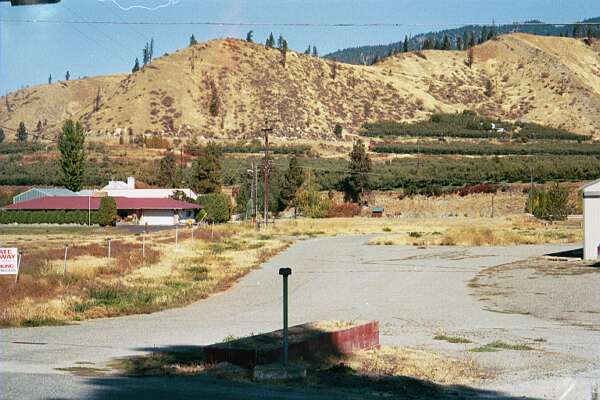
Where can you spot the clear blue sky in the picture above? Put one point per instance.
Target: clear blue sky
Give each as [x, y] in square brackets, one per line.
[29, 52]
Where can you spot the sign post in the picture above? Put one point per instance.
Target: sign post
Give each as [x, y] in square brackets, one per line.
[285, 272]
[10, 260]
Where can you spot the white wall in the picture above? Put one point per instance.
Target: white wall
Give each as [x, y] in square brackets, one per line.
[147, 193]
[157, 217]
[591, 227]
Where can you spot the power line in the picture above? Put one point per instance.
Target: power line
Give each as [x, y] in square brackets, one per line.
[299, 24]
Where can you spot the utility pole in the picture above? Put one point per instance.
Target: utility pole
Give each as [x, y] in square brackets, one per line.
[266, 171]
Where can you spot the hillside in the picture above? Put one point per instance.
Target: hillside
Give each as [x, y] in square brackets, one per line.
[229, 88]
[367, 54]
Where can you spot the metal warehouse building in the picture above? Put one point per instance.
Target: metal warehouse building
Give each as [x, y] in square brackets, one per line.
[591, 220]
[38, 193]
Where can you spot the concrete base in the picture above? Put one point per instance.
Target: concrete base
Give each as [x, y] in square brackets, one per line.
[279, 372]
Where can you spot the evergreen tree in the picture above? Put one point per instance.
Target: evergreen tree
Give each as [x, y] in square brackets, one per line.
[459, 43]
[446, 44]
[292, 181]
[50, 79]
[405, 45]
[270, 43]
[308, 49]
[483, 36]
[315, 53]
[2, 135]
[357, 183]
[67, 76]
[437, 44]
[151, 54]
[283, 49]
[22, 133]
[107, 211]
[249, 36]
[193, 40]
[280, 41]
[338, 131]
[168, 175]
[427, 44]
[39, 127]
[72, 155]
[206, 170]
[472, 40]
[136, 65]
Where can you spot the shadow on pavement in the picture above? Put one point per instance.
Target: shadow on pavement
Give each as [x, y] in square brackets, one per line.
[337, 382]
[573, 253]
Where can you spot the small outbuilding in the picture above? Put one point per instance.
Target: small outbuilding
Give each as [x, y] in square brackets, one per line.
[591, 220]
[377, 212]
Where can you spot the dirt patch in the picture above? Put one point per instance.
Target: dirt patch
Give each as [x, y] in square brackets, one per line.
[565, 291]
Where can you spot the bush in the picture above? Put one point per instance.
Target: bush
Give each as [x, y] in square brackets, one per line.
[107, 211]
[551, 205]
[344, 210]
[217, 207]
[312, 204]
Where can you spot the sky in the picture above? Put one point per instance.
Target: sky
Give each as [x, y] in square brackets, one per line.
[31, 51]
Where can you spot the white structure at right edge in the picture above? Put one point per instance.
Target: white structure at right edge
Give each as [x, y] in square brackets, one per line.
[591, 220]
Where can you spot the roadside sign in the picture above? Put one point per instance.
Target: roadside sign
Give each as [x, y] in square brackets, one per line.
[9, 261]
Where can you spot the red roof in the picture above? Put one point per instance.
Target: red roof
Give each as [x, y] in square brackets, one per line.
[85, 202]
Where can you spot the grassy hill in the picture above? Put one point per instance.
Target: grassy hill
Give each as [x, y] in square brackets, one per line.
[227, 89]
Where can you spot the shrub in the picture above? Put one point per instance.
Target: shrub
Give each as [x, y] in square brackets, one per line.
[551, 205]
[217, 207]
[312, 204]
[48, 217]
[107, 211]
[344, 210]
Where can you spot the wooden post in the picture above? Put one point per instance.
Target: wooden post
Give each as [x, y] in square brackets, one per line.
[176, 236]
[109, 239]
[143, 248]
[19, 259]
[65, 264]
[192, 232]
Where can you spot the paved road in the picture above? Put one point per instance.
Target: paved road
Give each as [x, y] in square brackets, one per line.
[414, 293]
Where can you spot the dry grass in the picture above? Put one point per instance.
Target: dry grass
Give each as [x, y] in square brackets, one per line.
[503, 231]
[399, 361]
[96, 287]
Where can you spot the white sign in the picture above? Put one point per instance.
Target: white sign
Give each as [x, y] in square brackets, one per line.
[9, 261]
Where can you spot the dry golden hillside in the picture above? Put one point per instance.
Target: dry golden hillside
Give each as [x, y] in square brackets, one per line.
[228, 88]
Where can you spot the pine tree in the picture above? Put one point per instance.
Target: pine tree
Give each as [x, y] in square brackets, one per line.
[22, 133]
[249, 36]
[405, 45]
[446, 44]
[67, 76]
[206, 170]
[72, 155]
[270, 43]
[315, 53]
[151, 54]
[437, 44]
[97, 101]
[280, 41]
[292, 181]
[193, 40]
[472, 39]
[39, 127]
[308, 49]
[136, 66]
[459, 43]
[483, 36]
[2, 135]
[470, 57]
[283, 49]
[357, 183]
[167, 171]
[50, 79]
